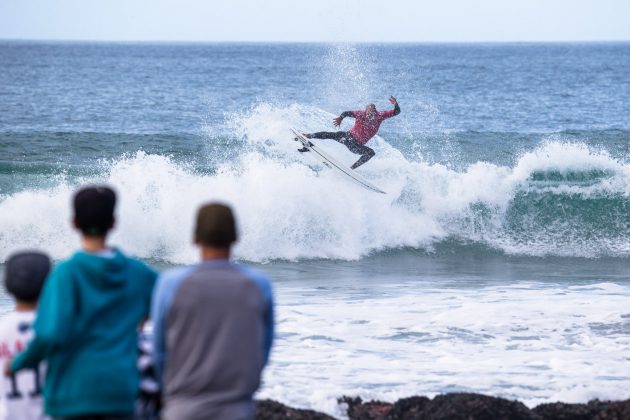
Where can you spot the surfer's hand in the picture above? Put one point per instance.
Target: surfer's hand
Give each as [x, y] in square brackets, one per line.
[337, 121]
[393, 100]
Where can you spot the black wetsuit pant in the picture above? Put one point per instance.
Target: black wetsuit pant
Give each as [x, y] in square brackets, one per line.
[345, 138]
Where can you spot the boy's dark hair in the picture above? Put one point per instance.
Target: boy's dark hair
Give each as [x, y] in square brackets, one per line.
[215, 226]
[25, 274]
[94, 210]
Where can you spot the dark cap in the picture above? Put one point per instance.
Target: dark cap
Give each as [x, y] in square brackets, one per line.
[215, 226]
[94, 210]
[25, 274]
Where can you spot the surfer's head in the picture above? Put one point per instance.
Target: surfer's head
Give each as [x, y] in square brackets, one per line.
[370, 110]
[216, 227]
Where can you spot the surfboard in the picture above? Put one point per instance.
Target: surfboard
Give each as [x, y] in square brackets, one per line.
[334, 164]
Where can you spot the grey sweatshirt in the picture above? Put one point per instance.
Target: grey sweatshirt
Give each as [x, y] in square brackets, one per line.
[212, 333]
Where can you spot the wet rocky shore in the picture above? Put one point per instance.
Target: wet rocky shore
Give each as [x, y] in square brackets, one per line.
[455, 406]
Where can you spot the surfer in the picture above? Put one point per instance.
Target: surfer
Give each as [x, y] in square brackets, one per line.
[365, 127]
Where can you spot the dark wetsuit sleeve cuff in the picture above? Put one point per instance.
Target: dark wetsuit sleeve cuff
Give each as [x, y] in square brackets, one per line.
[396, 109]
[346, 114]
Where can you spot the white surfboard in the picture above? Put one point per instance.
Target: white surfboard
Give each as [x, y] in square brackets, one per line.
[333, 163]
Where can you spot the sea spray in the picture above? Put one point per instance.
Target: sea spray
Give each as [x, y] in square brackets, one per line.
[349, 78]
[558, 199]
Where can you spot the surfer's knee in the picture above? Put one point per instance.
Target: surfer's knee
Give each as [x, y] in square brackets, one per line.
[369, 153]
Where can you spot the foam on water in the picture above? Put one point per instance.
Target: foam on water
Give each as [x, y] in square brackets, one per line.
[290, 207]
[529, 341]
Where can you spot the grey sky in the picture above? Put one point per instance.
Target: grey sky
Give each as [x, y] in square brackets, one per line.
[316, 20]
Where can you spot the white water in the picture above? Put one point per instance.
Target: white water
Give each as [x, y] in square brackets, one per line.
[529, 341]
[395, 337]
[288, 210]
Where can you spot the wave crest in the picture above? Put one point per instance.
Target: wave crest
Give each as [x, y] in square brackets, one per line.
[558, 199]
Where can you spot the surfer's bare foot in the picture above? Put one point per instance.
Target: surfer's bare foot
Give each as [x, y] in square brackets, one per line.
[307, 135]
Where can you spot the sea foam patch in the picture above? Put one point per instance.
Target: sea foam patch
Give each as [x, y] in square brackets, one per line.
[530, 341]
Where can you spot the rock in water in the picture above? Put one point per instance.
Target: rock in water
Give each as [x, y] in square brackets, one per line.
[273, 410]
[466, 406]
[359, 410]
[563, 411]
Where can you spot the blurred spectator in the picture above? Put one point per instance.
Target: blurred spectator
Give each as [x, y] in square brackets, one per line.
[21, 393]
[87, 321]
[213, 328]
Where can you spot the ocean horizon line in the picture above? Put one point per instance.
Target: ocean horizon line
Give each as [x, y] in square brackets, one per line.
[307, 42]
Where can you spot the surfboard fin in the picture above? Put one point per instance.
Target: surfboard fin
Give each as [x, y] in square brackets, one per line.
[303, 149]
[309, 143]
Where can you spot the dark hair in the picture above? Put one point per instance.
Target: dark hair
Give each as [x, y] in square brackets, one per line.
[215, 226]
[25, 274]
[94, 210]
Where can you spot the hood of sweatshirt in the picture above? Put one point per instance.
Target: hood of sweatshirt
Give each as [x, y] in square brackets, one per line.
[103, 271]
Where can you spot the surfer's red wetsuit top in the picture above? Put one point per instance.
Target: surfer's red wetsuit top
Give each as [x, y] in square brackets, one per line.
[365, 129]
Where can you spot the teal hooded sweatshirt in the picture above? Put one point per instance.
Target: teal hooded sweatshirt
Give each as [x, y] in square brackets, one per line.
[86, 329]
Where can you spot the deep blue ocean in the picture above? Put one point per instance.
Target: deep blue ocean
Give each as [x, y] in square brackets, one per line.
[497, 262]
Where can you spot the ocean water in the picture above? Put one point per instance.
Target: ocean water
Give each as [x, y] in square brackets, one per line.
[497, 262]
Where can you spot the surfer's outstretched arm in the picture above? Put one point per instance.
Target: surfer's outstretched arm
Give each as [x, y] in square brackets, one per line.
[337, 121]
[391, 112]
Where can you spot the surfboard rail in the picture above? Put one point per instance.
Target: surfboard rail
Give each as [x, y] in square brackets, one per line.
[333, 163]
